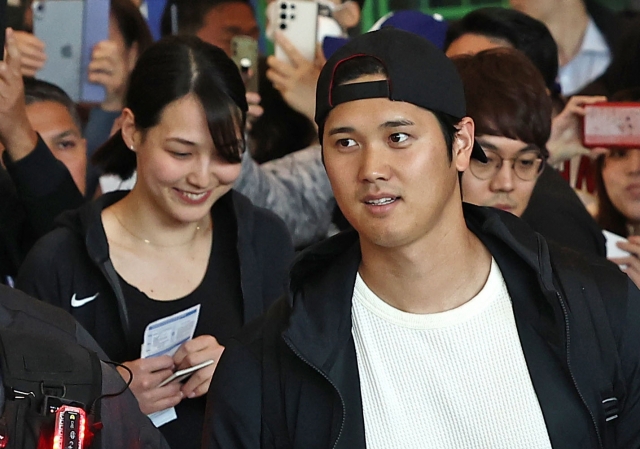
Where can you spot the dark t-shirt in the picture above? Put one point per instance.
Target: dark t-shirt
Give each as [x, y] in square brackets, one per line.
[221, 315]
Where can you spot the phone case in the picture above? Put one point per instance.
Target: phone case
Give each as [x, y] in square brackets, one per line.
[611, 125]
[245, 55]
[96, 29]
[298, 21]
[59, 25]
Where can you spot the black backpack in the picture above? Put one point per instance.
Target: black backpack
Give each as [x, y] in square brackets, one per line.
[40, 375]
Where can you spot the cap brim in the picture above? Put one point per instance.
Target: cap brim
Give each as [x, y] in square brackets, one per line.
[478, 153]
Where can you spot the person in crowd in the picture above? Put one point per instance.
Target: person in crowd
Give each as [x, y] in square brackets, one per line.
[111, 64]
[53, 115]
[181, 238]
[507, 100]
[38, 183]
[617, 181]
[432, 322]
[591, 40]
[279, 130]
[555, 210]
[296, 187]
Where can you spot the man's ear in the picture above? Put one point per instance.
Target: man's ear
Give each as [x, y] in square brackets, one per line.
[348, 16]
[130, 134]
[463, 143]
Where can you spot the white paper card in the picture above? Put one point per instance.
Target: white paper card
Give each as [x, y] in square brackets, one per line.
[612, 248]
[164, 337]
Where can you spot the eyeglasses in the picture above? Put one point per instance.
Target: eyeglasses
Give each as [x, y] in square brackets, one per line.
[527, 166]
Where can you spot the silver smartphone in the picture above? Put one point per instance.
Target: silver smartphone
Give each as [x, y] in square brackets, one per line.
[244, 50]
[58, 23]
[298, 21]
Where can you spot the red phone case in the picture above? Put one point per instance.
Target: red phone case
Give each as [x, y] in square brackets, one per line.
[612, 125]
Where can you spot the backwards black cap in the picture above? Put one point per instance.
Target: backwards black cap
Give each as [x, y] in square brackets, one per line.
[417, 72]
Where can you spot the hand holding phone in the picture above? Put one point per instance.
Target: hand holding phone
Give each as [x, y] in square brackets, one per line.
[244, 51]
[184, 373]
[612, 125]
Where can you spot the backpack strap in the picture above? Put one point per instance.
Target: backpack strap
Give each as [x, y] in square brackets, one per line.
[594, 334]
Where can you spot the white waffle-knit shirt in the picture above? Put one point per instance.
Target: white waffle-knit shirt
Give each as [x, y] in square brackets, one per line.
[449, 380]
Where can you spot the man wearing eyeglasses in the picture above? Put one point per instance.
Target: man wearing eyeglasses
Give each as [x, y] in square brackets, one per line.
[507, 100]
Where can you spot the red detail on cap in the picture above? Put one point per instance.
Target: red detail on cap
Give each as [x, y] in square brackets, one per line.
[358, 55]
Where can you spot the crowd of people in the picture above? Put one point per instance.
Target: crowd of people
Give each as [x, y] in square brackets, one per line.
[397, 244]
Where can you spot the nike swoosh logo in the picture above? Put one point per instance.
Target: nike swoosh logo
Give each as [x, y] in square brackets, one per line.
[81, 302]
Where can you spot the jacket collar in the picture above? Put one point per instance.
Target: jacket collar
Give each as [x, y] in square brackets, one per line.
[86, 222]
[323, 278]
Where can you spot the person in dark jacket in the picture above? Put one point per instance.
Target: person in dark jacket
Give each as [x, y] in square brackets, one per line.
[432, 323]
[181, 240]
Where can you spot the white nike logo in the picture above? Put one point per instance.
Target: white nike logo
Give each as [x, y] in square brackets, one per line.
[81, 302]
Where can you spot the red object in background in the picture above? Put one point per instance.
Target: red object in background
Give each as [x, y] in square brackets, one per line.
[612, 125]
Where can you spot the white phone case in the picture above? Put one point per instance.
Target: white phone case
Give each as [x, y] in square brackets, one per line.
[298, 21]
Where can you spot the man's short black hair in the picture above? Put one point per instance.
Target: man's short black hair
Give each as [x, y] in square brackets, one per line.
[191, 14]
[523, 32]
[38, 91]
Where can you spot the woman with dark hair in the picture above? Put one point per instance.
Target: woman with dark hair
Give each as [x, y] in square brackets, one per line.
[111, 64]
[618, 194]
[181, 238]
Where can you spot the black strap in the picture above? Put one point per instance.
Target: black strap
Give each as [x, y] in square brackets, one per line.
[596, 339]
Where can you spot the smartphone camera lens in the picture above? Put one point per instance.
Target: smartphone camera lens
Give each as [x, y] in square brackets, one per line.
[283, 16]
[293, 16]
[293, 6]
[283, 6]
[283, 26]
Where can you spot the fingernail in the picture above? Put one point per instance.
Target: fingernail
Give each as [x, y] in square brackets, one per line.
[192, 395]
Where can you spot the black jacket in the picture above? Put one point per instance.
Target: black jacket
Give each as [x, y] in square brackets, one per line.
[33, 191]
[291, 379]
[74, 260]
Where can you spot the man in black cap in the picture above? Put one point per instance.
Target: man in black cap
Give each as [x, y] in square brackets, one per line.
[432, 323]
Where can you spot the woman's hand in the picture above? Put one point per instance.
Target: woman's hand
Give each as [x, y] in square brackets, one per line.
[147, 375]
[631, 263]
[192, 353]
[109, 68]
[32, 55]
[296, 81]
[565, 141]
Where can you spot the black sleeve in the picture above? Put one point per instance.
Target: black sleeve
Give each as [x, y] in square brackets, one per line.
[556, 212]
[124, 424]
[628, 429]
[233, 415]
[44, 186]
[38, 275]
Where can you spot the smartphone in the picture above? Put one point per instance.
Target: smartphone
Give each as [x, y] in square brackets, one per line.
[244, 50]
[612, 125]
[298, 21]
[70, 29]
[184, 373]
[96, 29]
[59, 25]
[3, 26]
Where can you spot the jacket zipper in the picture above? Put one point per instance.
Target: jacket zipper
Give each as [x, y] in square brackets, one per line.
[573, 379]
[344, 411]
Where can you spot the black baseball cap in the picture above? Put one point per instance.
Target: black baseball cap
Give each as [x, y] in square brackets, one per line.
[418, 72]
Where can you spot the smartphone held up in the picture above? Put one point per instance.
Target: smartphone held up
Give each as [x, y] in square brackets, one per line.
[298, 21]
[244, 51]
[612, 125]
